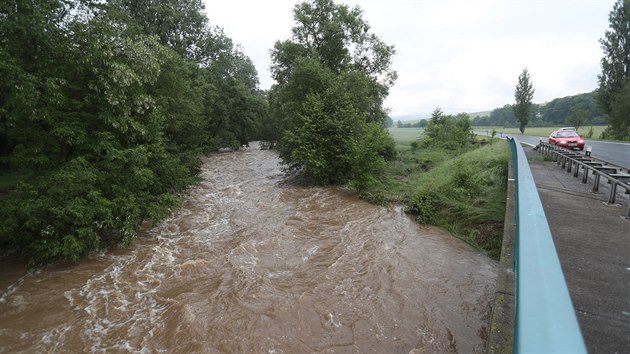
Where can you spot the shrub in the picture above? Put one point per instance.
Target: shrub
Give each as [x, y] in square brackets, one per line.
[448, 132]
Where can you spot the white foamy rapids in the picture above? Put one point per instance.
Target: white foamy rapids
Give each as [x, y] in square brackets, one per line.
[11, 289]
[105, 299]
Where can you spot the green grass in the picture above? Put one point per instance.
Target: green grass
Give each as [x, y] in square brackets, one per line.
[405, 136]
[541, 131]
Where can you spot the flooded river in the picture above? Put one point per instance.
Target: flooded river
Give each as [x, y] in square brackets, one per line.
[251, 264]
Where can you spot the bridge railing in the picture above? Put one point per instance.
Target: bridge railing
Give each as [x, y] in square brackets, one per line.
[545, 318]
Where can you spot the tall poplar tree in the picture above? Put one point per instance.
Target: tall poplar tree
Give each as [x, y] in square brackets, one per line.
[523, 94]
[615, 73]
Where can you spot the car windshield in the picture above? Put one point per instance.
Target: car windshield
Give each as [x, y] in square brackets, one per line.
[568, 134]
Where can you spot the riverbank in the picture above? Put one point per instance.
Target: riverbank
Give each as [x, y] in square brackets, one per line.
[463, 193]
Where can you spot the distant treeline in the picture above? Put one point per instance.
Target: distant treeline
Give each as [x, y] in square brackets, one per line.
[557, 112]
[422, 123]
[561, 111]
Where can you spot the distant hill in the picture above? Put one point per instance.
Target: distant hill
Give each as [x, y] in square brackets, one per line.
[552, 113]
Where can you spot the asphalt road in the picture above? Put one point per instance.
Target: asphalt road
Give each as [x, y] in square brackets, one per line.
[613, 152]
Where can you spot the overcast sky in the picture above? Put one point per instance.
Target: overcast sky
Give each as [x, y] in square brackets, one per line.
[463, 56]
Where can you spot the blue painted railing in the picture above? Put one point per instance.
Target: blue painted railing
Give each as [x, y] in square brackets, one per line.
[545, 318]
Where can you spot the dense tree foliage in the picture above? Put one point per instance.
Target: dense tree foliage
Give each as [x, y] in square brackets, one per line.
[616, 60]
[620, 115]
[577, 119]
[332, 78]
[104, 109]
[615, 75]
[523, 94]
[557, 111]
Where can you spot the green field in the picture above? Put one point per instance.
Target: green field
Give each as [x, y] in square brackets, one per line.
[540, 131]
[405, 135]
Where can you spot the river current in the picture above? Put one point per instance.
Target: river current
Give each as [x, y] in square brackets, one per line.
[255, 264]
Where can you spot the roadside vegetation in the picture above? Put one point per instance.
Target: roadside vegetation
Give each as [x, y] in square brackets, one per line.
[444, 177]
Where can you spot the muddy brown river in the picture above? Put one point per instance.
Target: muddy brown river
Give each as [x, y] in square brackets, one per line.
[252, 264]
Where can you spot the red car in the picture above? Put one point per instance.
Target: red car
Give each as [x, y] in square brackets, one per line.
[569, 139]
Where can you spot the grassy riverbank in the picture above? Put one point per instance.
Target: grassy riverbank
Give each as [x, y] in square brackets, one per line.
[462, 192]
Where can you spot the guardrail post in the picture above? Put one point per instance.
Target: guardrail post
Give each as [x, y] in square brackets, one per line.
[585, 175]
[596, 182]
[613, 191]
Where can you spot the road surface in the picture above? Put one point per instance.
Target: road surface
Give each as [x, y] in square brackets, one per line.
[615, 153]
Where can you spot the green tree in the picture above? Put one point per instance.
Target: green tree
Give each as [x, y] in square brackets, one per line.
[227, 103]
[523, 95]
[90, 139]
[331, 50]
[615, 67]
[503, 116]
[102, 118]
[616, 59]
[178, 24]
[333, 143]
[620, 114]
[447, 131]
[577, 119]
[557, 110]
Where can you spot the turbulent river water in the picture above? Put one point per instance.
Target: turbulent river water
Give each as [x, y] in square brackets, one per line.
[251, 264]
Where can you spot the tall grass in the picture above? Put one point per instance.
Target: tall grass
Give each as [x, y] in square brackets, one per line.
[466, 195]
[405, 136]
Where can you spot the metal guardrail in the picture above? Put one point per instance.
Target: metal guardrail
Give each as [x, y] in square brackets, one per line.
[576, 162]
[545, 317]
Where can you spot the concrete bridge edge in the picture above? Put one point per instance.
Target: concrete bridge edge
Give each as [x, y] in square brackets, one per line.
[501, 333]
